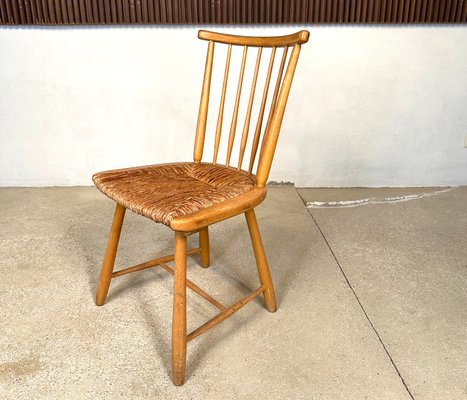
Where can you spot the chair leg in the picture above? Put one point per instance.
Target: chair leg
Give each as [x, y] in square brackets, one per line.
[204, 245]
[261, 261]
[179, 337]
[110, 254]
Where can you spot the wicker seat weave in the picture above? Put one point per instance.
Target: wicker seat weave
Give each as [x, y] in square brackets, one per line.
[167, 191]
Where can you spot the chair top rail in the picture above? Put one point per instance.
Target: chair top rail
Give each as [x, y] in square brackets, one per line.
[300, 37]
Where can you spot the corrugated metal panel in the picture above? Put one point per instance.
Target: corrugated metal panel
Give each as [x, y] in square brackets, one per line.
[66, 12]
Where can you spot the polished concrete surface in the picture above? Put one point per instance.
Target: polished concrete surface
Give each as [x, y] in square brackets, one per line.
[372, 300]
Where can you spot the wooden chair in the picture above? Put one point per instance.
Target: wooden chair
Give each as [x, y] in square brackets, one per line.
[188, 197]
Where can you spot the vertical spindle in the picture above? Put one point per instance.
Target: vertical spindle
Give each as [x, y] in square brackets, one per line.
[233, 126]
[203, 105]
[254, 147]
[246, 126]
[220, 117]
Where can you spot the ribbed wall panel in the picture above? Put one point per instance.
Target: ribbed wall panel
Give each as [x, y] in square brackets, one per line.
[66, 12]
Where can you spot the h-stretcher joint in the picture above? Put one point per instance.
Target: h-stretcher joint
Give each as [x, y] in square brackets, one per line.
[225, 312]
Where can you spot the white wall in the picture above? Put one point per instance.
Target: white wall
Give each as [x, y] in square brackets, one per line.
[370, 106]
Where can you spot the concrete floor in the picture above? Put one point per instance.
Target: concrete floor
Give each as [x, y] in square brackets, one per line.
[372, 300]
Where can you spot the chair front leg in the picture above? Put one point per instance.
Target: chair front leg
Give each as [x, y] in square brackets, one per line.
[110, 254]
[261, 261]
[204, 245]
[179, 339]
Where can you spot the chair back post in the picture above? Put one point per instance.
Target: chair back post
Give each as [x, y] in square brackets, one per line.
[204, 105]
[277, 104]
[272, 135]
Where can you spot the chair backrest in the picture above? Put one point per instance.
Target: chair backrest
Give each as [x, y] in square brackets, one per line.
[276, 104]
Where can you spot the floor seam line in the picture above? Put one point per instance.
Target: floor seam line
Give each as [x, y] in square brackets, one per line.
[363, 309]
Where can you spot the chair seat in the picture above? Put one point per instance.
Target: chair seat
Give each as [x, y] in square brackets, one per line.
[167, 191]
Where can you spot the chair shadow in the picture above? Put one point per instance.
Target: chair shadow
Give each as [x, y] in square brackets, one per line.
[91, 250]
[161, 345]
[282, 281]
[202, 349]
[92, 244]
[283, 271]
[230, 274]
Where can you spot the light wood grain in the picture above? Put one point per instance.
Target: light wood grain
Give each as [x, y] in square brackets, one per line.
[254, 146]
[193, 286]
[205, 254]
[199, 221]
[276, 122]
[219, 212]
[204, 105]
[220, 116]
[151, 263]
[110, 254]
[227, 312]
[233, 125]
[274, 99]
[246, 126]
[300, 37]
[261, 261]
[179, 338]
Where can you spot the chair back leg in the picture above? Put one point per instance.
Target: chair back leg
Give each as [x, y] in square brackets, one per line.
[261, 261]
[179, 337]
[110, 254]
[204, 246]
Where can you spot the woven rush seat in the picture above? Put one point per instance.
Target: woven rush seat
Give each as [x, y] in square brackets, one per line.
[167, 191]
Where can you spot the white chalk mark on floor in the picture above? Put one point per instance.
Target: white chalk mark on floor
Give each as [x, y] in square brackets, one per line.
[373, 200]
